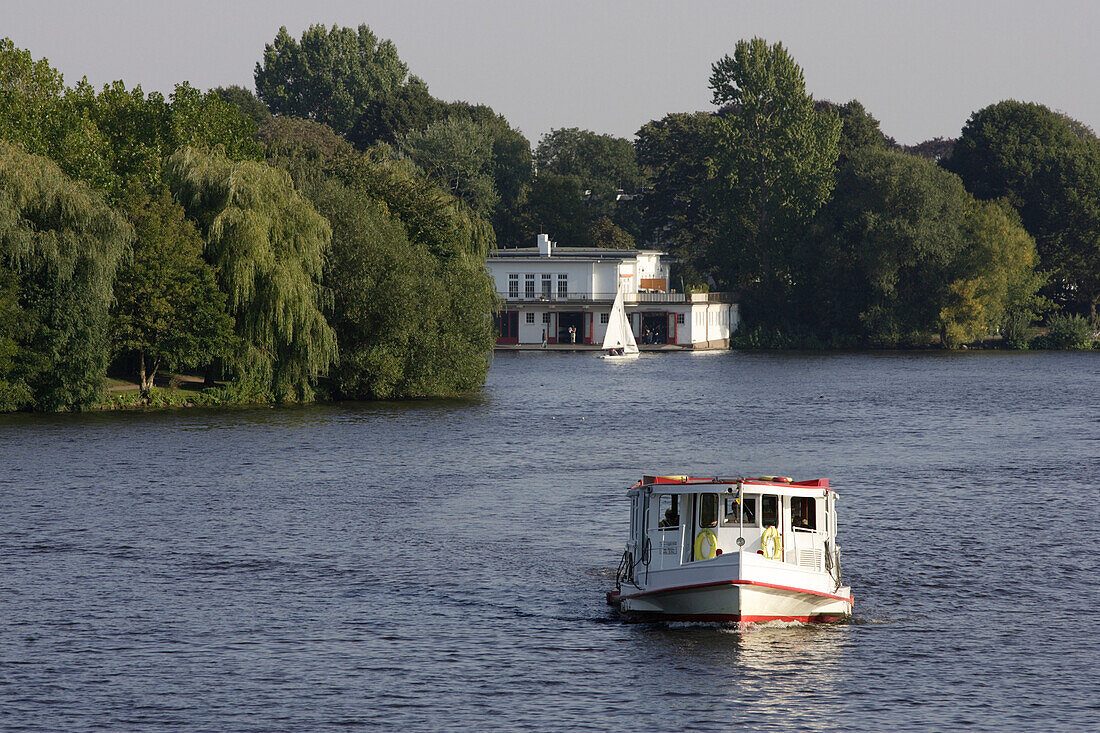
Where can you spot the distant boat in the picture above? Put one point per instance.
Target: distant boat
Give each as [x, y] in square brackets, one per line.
[618, 342]
[738, 550]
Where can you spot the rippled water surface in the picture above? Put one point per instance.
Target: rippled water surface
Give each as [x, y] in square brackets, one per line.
[441, 566]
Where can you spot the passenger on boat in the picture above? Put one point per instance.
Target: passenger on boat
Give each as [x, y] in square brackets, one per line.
[672, 518]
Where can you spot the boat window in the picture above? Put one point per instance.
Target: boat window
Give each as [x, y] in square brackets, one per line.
[708, 510]
[769, 511]
[748, 510]
[668, 511]
[803, 513]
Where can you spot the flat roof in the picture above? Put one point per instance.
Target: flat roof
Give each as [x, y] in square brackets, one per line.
[581, 253]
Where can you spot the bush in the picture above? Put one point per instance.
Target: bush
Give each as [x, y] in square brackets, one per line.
[1065, 332]
[1015, 329]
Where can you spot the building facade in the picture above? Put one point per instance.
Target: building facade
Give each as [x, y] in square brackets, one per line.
[566, 293]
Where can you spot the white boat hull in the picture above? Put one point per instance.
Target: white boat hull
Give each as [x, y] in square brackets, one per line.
[730, 591]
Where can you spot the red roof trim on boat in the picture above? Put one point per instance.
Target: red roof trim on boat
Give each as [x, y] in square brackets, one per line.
[846, 599]
[817, 483]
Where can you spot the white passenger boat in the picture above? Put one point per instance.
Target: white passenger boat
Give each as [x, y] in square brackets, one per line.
[744, 550]
[618, 341]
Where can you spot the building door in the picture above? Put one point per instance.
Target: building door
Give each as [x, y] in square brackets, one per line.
[507, 323]
[654, 328]
[567, 321]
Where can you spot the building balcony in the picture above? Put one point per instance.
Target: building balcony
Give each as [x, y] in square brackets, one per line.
[586, 298]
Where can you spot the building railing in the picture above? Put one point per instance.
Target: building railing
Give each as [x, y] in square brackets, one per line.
[639, 297]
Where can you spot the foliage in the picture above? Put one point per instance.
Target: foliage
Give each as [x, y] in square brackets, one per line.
[432, 216]
[168, 308]
[302, 148]
[14, 359]
[246, 102]
[858, 128]
[393, 115]
[457, 153]
[60, 245]
[1065, 331]
[774, 159]
[606, 235]
[267, 245]
[903, 252]
[1048, 168]
[599, 168]
[676, 154]
[330, 76]
[408, 324]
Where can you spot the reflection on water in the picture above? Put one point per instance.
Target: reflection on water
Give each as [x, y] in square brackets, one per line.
[441, 565]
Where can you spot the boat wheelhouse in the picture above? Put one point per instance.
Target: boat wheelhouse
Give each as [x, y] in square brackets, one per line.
[731, 550]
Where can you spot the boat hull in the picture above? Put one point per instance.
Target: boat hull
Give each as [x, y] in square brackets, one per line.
[735, 588]
[734, 602]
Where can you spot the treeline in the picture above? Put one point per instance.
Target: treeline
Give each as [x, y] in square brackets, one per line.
[327, 234]
[837, 236]
[200, 233]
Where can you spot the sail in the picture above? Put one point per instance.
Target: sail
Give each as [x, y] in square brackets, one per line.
[619, 334]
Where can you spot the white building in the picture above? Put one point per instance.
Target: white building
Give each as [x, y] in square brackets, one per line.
[550, 289]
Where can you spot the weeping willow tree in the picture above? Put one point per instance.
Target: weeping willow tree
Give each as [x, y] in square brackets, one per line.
[268, 246]
[60, 244]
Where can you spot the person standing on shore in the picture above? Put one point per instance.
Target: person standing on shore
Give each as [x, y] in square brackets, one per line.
[544, 338]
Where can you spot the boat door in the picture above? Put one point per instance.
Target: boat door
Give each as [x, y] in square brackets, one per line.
[808, 523]
[705, 520]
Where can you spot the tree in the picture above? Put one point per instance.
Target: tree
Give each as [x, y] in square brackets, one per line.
[1047, 167]
[168, 308]
[994, 278]
[774, 160]
[248, 103]
[858, 128]
[331, 76]
[605, 235]
[390, 117]
[679, 208]
[457, 153]
[906, 252]
[267, 245]
[60, 244]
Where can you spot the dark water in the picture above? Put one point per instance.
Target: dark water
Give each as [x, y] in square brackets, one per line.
[441, 566]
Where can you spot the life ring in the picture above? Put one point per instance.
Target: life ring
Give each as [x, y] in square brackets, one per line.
[771, 543]
[711, 547]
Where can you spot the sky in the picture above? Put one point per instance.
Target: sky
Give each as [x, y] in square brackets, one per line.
[920, 67]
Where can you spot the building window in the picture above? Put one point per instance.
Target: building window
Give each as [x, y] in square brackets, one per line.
[546, 286]
[530, 317]
[513, 285]
[529, 285]
[545, 317]
[605, 317]
[679, 317]
[563, 285]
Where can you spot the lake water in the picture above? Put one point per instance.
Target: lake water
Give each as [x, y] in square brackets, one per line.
[442, 565]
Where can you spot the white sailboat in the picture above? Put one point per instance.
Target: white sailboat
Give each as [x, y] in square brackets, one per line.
[618, 341]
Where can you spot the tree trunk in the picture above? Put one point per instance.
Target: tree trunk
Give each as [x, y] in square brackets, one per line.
[146, 377]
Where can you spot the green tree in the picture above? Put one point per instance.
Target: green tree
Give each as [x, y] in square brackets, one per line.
[775, 162]
[388, 118]
[60, 243]
[267, 245]
[680, 206]
[435, 343]
[907, 253]
[1047, 167]
[457, 153]
[330, 76]
[168, 308]
[248, 103]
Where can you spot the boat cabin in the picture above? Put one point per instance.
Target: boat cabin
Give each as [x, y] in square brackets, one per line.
[678, 520]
